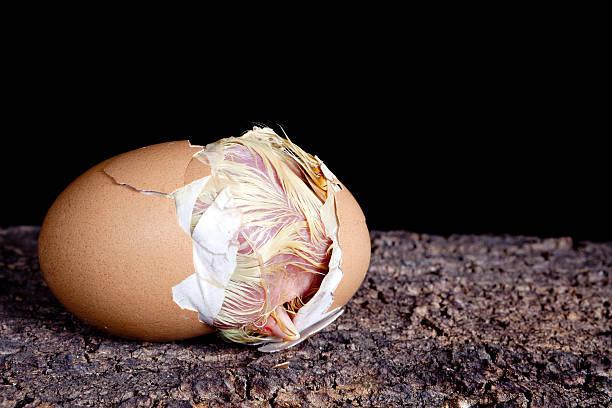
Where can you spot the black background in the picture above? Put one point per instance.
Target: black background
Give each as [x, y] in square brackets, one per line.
[420, 175]
[489, 139]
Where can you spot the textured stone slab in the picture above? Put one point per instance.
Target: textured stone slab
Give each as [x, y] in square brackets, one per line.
[463, 321]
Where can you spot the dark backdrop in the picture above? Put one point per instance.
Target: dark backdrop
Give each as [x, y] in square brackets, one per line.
[491, 135]
[434, 169]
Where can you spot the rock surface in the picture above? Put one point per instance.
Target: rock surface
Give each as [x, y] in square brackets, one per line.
[462, 321]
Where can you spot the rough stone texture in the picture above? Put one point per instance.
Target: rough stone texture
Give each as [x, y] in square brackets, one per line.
[463, 321]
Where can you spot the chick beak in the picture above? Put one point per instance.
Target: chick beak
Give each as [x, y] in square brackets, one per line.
[280, 325]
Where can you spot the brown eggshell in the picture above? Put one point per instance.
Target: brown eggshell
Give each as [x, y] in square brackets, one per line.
[196, 170]
[111, 254]
[354, 240]
[160, 167]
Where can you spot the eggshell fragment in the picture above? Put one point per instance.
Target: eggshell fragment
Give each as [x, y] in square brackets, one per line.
[354, 239]
[196, 170]
[160, 167]
[111, 254]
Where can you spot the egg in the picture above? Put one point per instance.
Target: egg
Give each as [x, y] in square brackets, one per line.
[120, 247]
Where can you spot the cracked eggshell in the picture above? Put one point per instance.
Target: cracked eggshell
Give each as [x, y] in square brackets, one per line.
[354, 240]
[111, 254]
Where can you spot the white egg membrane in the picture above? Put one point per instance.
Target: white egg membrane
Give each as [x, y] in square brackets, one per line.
[215, 246]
